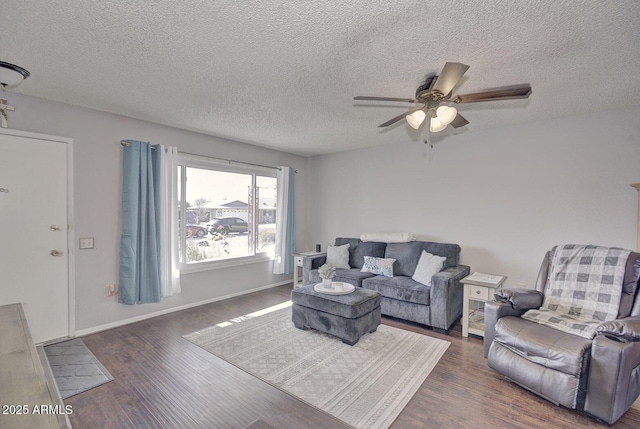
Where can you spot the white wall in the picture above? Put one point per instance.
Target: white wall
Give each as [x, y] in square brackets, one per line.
[504, 195]
[97, 187]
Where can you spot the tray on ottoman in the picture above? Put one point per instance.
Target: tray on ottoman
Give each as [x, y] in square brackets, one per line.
[347, 317]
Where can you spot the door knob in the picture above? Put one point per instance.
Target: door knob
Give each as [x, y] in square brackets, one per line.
[55, 228]
[55, 252]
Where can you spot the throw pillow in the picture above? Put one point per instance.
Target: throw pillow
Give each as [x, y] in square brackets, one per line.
[428, 265]
[392, 237]
[379, 266]
[338, 256]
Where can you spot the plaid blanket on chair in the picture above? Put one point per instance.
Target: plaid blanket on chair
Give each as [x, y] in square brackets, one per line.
[584, 290]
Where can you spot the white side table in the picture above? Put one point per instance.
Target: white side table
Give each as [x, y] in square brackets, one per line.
[297, 266]
[478, 289]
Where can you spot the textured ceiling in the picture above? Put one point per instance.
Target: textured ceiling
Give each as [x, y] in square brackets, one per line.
[283, 74]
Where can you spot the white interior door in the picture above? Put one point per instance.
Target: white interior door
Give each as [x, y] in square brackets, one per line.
[34, 218]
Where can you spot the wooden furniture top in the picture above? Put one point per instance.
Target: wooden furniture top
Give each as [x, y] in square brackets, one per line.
[26, 400]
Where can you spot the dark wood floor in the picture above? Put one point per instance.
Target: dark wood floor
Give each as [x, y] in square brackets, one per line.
[164, 381]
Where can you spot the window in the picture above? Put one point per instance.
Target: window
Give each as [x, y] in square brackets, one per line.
[230, 213]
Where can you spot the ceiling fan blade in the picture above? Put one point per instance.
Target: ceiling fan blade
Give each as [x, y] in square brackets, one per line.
[502, 93]
[459, 121]
[430, 80]
[449, 77]
[425, 89]
[404, 100]
[399, 117]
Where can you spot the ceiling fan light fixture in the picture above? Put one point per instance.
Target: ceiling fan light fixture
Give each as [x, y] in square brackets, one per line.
[446, 114]
[416, 118]
[436, 125]
[12, 75]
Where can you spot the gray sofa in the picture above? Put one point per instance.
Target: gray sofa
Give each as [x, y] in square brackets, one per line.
[438, 305]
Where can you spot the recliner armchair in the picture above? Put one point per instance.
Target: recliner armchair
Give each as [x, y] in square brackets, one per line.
[598, 375]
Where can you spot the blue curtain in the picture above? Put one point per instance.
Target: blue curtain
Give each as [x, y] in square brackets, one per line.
[140, 241]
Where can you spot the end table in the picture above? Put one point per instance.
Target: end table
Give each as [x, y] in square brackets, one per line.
[478, 289]
[297, 265]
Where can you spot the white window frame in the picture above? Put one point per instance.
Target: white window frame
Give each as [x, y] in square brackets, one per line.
[203, 162]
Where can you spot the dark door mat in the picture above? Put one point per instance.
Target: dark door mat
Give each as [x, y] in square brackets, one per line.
[75, 368]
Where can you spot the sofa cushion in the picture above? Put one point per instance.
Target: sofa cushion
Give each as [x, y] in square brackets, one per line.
[338, 256]
[400, 287]
[359, 251]
[406, 255]
[543, 345]
[428, 265]
[449, 251]
[352, 242]
[353, 276]
[380, 266]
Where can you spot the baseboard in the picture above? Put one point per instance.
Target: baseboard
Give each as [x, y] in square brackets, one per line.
[100, 328]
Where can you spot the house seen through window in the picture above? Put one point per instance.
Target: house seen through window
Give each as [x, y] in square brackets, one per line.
[229, 212]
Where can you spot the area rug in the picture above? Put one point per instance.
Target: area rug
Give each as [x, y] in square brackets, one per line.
[366, 385]
[259, 424]
[75, 368]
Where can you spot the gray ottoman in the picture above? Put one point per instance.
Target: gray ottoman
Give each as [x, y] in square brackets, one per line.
[347, 317]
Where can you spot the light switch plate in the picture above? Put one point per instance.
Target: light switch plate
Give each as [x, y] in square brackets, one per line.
[86, 243]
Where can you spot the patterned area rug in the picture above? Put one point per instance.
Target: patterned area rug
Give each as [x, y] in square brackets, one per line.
[75, 368]
[366, 385]
[259, 424]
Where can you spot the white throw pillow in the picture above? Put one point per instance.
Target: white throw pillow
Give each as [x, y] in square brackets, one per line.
[379, 266]
[393, 237]
[428, 265]
[338, 256]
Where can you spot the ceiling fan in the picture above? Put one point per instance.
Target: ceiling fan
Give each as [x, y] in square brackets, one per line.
[434, 97]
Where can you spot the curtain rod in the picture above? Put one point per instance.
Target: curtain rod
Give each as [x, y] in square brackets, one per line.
[126, 143]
